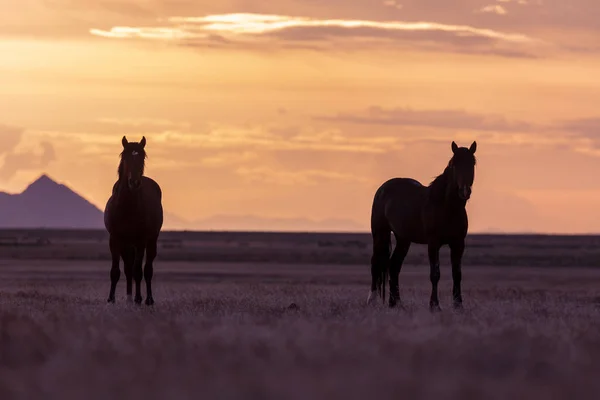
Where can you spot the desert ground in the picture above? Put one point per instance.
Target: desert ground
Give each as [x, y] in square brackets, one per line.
[223, 328]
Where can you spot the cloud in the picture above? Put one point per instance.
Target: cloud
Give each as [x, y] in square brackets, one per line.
[247, 30]
[301, 177]
[144, 124]
[239, 25]
[393, 4]
[587, 127]
[562, 23]
[493, 9]
[10, 137]
[434, 126]
[447, 119]
[584, 134]
[227, 136]
[15, 160]
[224, 145]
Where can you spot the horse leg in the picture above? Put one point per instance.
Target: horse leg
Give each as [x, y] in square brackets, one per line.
[128, 254]
[138, 272]
[396, 261]
[115, 272]
[456, 253]
[379, 264]
[434, 275]
[149, 270]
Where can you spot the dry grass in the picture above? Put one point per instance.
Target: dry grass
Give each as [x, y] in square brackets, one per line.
[223, 331]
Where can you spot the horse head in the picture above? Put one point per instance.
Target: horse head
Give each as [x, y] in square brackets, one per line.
[462, 167]
[132, 162]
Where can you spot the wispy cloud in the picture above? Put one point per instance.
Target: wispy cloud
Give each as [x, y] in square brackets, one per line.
[144, 123]
[493, 9]
[18, 156]
[419, 126]
[393, 4]
[261, 24]
[587, 127]
[222, 137]
[448, 119]
[269, 29]
[520, 2]
[302, 177]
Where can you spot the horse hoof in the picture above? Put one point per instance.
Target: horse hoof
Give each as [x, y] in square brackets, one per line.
[149, 301]
[435, 308]
[372, 297]
[458, 306]
[395, 304]
[138, 300]
[111, 300]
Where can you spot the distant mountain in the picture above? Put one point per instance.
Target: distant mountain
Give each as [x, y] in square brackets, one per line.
[175, 222]
[47, 204]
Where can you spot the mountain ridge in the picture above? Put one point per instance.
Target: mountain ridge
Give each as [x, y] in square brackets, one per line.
[46, 203]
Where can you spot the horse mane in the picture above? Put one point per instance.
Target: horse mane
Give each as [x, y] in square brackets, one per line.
[437, 187]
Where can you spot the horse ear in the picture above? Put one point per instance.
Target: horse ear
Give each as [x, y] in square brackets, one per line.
[143, 142]
[473, 147]
[454, 147]
[124, 141]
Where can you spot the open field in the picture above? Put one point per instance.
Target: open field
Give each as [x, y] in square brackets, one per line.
[225, 330]
[301, 248]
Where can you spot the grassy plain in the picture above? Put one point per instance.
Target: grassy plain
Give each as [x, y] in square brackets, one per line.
[222, 327]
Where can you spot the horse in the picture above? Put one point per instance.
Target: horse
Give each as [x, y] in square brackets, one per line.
[133, 217]
[434, 215]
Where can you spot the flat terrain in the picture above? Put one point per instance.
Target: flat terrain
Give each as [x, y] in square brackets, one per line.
[224, 330]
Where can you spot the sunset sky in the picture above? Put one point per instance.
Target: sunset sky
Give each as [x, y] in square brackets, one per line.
[302, 108]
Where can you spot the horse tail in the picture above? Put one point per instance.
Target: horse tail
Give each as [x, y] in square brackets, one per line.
[381, 233]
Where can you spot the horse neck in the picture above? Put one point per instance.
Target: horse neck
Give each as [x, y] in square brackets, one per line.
[444, 192]
[123, 195]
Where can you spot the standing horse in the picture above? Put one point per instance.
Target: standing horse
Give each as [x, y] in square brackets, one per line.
[434, 215]
[133, 218]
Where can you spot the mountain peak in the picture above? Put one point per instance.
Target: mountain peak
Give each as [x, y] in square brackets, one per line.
[46, 203]
[43, 183]
[44, 178]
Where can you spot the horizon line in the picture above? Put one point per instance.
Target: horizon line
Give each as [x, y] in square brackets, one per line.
[477, 233]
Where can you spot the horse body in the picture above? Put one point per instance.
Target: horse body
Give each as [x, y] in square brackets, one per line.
[127, 214]
[397, 207]
[434, 215]
[133, 217]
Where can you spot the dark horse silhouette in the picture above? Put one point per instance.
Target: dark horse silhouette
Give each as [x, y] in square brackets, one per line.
[133, 218]
[434, 215]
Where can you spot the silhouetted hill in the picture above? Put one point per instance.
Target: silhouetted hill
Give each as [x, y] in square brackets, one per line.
[48, 204]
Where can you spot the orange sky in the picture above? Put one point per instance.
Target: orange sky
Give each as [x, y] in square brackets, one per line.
[301, 109]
